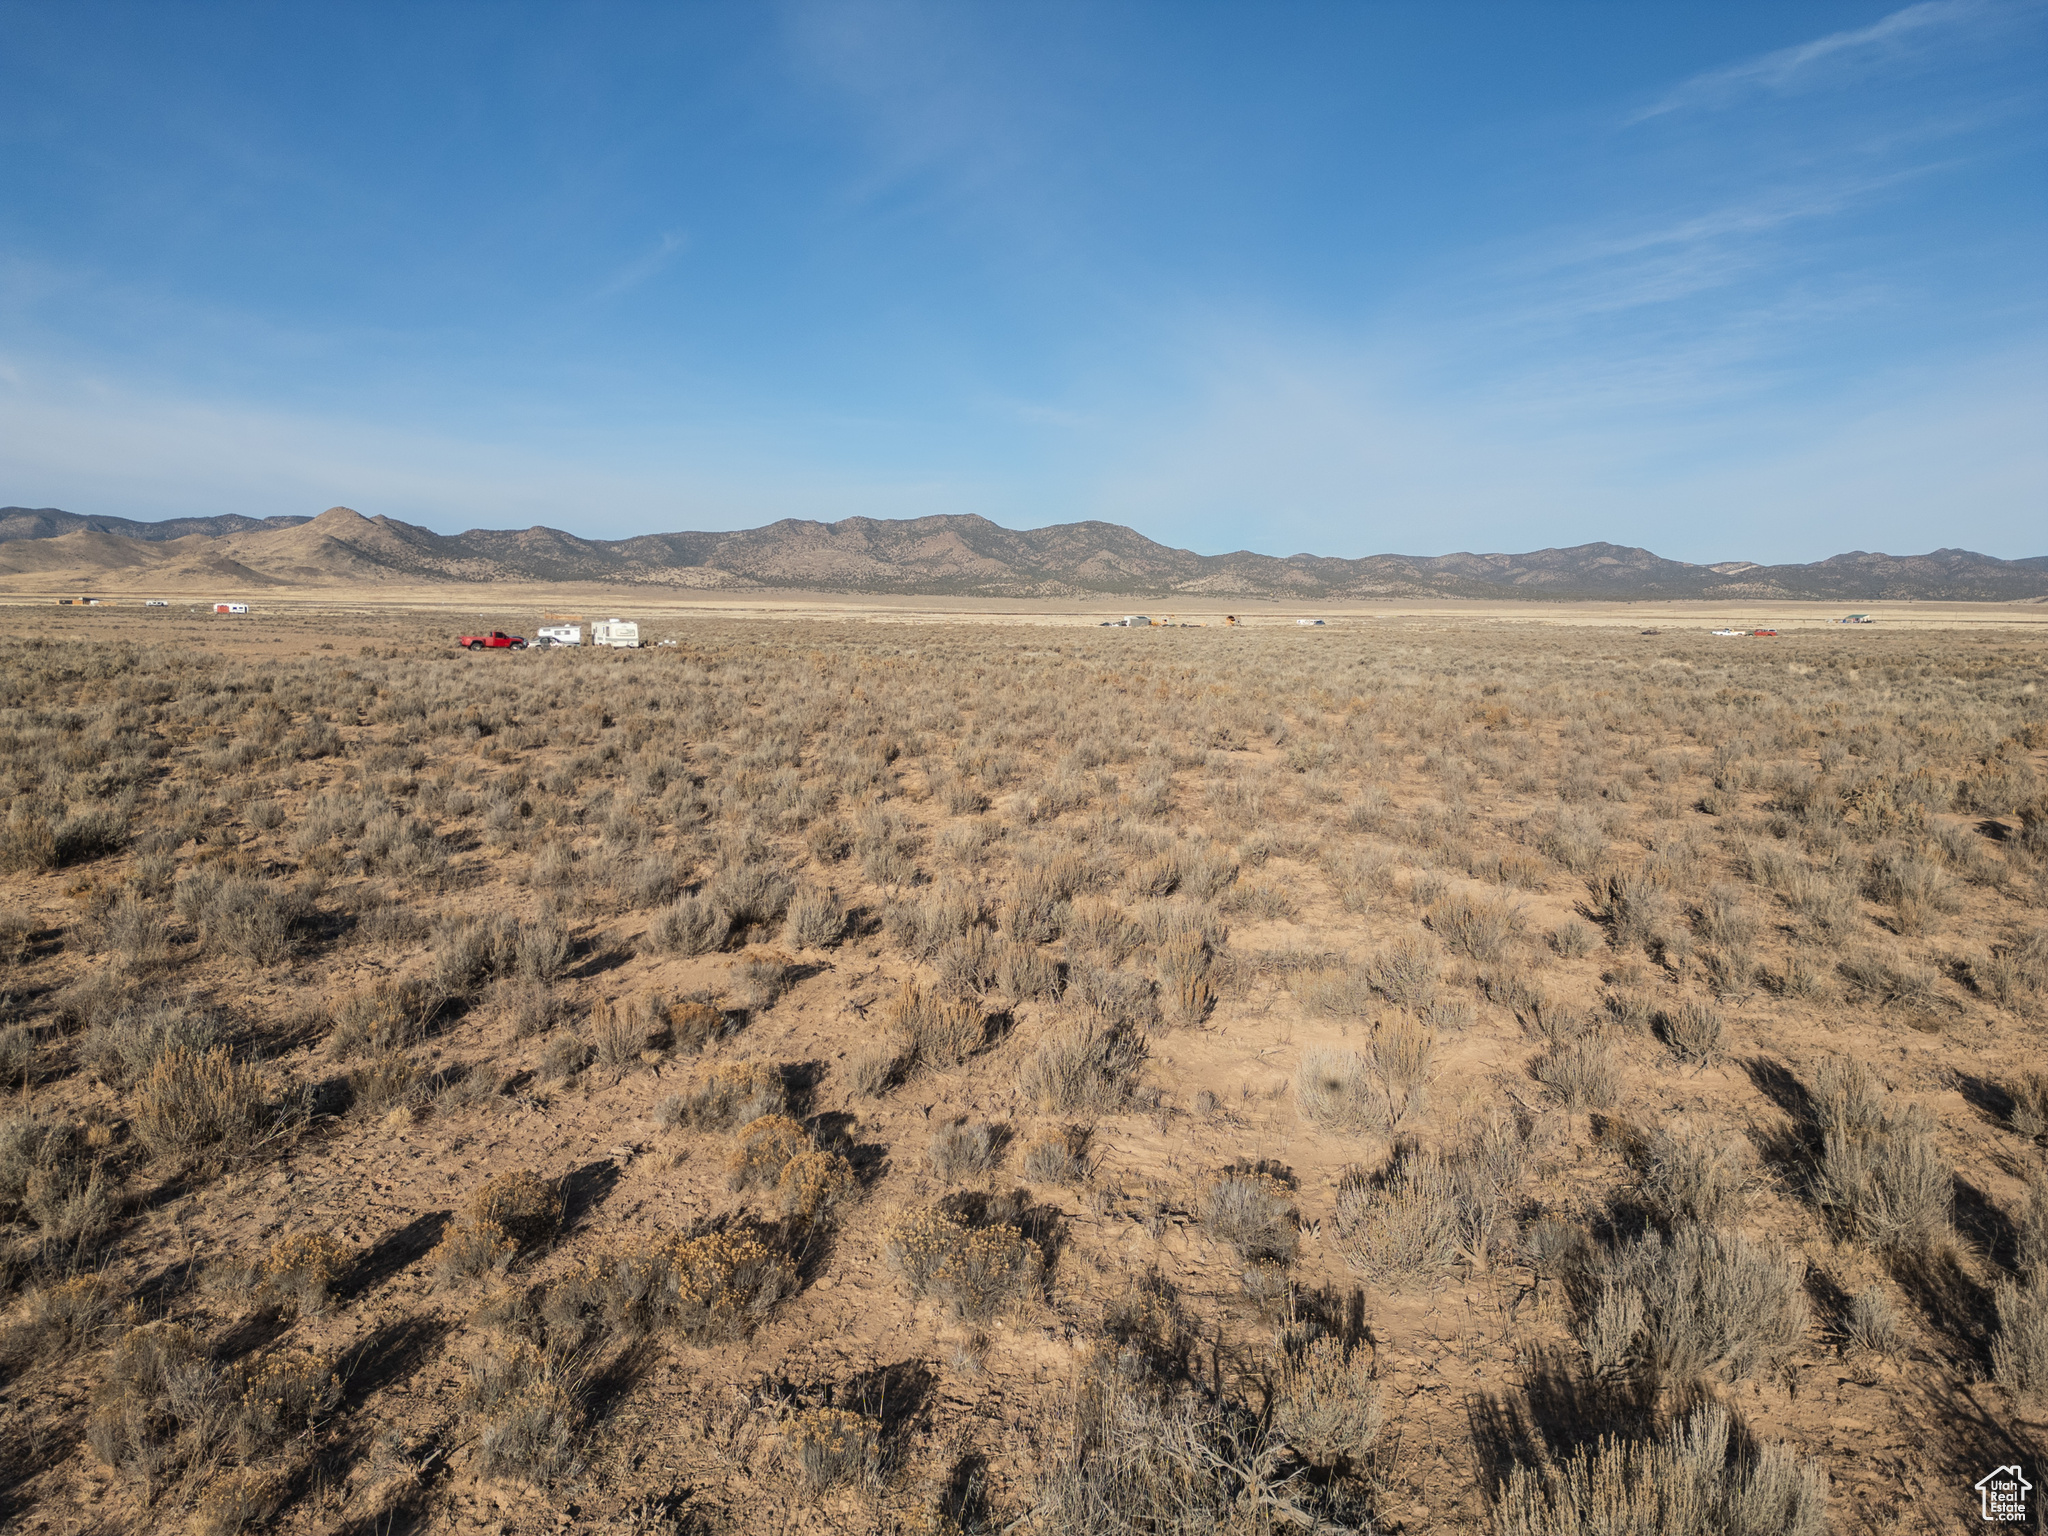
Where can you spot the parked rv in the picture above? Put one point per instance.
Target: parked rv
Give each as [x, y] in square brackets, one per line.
[616, 632]
[230, 607]
[560, 634]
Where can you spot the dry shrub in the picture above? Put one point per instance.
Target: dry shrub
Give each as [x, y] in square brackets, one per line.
[692, 925]
[766, 1146]
[1872, 1327]
[281, 1394]
[812, 1185]
[1401, 1227]
[1408, 971]
[937, 1029]
[237, 1499]
[732, 1094]
[1693, 1030]
[1880, 1176]
[1327, 1406]
[1059, 1156]
[201, 1105]
[245, 916]
[1336, 1090]
[507, 1216]
[1186, 995]
[1484, 930]
[1574, 938]
[1401, 1054]
[301, 1270]
[1584, 1072]
[50, 1175]
[1127, 1458]
[60, 1318]
[1847, 1096]
[123, 1049]
[876, 1069]
[712, 1286]
[1344, 992]
[388, 1015]
[974, 1267]
[964, 1150]
[1685, 1174]
[521, 1405]
[2019, 1350]
[621, 1030]
[386, 1082]
[1693, 1482]
[1082, 1066]
[832, 1446]
[1704, 1302]
[1022, 974]
[159, 1403]
[815, 920]
[1250, 1210]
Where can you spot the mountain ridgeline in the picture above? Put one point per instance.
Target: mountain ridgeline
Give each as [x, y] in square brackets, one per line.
[958, 556]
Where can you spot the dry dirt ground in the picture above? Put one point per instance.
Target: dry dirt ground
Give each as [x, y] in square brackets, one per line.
[937, 1075]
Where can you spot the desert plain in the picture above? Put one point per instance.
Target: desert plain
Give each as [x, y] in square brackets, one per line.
[917, 1065]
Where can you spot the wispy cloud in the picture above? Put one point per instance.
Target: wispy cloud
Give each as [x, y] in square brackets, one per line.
[1789, 69]
[641, 268]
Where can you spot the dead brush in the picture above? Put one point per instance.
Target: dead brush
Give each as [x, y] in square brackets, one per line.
[1485, 930]
[1684, 1174]
[936, 1029]
[965, 1149]
[1186, 995]
[815, 920]
[1694, 1030]
[1704, 1302]
[691, 925]
[1327, 1405]
[974, 1260]
[301, 1271]
[1400, 1226]
[831, 1446]
[1058, 1156]
[732, 1094]
[1885, 1183]
[1082, 1066]
[1408, 971]
[1584, 1072]
[1336, 1090]
[201, 1106]
[622, 1030]
[60, 1318]
[1685, 1484]
[766, 1147]
[507, 1216]
[1250, 1210]
[522, 1406]
[388, 1015]
[1402, 1055]
[389, 1081]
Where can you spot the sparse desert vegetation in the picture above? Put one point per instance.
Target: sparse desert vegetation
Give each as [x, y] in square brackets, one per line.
[955, 1078]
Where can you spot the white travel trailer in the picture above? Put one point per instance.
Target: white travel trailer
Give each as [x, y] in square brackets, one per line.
[560, 634]
[619, 632]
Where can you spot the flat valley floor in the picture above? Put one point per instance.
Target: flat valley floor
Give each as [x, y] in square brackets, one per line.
[871, 1067]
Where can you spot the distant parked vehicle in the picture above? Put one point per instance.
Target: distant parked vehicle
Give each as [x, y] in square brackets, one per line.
[230, 607]
[496, 640]
[1765, 634]
[1726, 632]
[623, 633]
[1310, 623]
[156, 602]
[560, 634]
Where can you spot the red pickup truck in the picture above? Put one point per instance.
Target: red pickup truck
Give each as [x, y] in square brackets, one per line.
[495, 640]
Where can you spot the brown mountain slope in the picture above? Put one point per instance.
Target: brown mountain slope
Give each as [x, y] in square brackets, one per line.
[955, 555]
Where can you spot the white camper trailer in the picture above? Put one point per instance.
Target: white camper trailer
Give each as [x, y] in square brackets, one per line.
[619, 632]
[560, 634]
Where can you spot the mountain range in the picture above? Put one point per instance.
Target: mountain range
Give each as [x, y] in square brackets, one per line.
[961, 556]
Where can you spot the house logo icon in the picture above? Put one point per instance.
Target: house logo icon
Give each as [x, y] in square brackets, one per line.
[2002, 1493]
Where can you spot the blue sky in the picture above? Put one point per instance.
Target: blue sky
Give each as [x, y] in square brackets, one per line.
[1726, 280]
